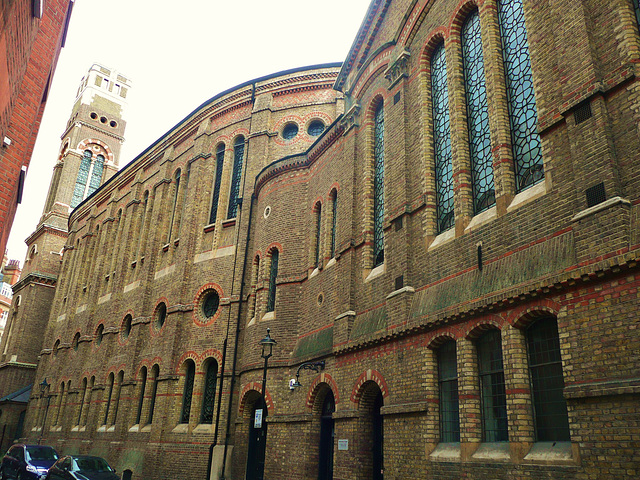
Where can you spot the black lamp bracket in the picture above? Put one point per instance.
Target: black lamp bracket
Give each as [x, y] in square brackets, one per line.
[315, 366]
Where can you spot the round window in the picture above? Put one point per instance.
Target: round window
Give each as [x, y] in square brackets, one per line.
[161, 316]
[315, 128]
[289, 131]
[210, 304]
[103, 119]
[126, 326]
[94, 115]
[113, 124]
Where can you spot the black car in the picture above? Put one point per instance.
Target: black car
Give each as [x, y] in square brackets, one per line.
[27, 462]
[81, 467]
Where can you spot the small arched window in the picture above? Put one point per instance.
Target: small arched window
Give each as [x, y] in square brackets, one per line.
[83, 393]
[213, 214]
[110, 385]
[492, 387]
[334, 222]
[155, 372]
[441, 140]
[317, 255]
[189, 377]
[448, 388]
[116, 400]
[273, 274]
[209, 393]
[378, 186]
[143, 386]
[236, 176]
[483, 190]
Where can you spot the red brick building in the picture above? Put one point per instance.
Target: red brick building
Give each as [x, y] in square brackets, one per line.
[441, 235]
[32, 33]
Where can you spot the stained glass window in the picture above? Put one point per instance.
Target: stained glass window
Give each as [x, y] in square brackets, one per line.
[81, 180]
[315, 128]
[523, 116]
[290, 131]
[334, 220]
[442, 140]
[208, 397]
[211, 304]
[213, 215]
[188, 392]
[273, 273]
[318, 225]
[238, 156]
[96, 174]
[492, 390]
[547, 382]
[448, 383]
[143, 385]
[378, 186]
[477, 115]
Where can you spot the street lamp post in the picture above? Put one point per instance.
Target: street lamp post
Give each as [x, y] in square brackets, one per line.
[43, 389]
[267, 344]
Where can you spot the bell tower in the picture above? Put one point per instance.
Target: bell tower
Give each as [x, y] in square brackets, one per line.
[88, 156]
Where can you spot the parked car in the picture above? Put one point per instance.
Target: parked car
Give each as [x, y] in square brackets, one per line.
[81, 467]
[27, 462]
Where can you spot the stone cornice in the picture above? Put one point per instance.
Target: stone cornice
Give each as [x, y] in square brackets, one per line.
[41, 278]
[46, 229]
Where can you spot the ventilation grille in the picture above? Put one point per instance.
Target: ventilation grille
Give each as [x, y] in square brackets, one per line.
[399, 282]
[595, 195]
[582, 113]
[396, 98]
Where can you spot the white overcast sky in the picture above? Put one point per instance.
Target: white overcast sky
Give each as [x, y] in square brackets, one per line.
[177, 55]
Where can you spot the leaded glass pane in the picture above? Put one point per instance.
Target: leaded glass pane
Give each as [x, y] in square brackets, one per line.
[238, 155]
[378, 187]
[492, 389]
[211, 304]
[96, 174]
[81, 180]
[547, 382]
[477, 115]
[188, 392]
[315, 128]
[527, 146]
[273, 273]
[448, 383]
[334, 219]
[318, 225]
[208, 397]
[442, 140]
[213, 215]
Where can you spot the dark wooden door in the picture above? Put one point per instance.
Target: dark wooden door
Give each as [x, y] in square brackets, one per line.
[257, 444]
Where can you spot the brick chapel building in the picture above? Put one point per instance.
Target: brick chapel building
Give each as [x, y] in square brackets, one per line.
[441, 234]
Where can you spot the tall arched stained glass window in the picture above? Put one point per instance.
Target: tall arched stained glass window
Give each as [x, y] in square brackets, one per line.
[477, 115]
[523, 116]
[81, 180]
[213, 214]
[378, 186]
[209, 394]
[238, 155]
[190, 374]
[96, 174]
[442, 140]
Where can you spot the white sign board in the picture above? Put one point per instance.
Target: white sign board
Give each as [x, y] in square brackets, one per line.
[257, 419]
[343, 444]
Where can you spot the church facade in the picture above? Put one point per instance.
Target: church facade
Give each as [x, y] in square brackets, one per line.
[440, 235]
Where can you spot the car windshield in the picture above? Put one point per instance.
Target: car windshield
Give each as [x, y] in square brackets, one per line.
[93, 464]
[41, 453]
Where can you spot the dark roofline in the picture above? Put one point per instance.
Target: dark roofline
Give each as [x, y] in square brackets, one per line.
[202, 105]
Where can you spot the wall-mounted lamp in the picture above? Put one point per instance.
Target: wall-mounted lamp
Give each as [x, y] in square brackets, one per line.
[315, 366]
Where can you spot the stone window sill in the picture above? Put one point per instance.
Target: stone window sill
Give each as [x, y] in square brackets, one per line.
[443, 238]
[446, 452]
[375, 273]
[551, 453]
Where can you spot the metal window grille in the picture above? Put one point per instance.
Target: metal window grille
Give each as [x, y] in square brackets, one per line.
[492, 389]
[448, 383]
[318, 225]
[273, 273]
[595, 194]
[143, 386]
[81, 180]
[442, 140]
[209, 396]
[547, 382]
[238, 155]
[378, 187]
[213, 215]
[582, 113]
[188, 392]
[334, 220]
[521, 100]
[477, 116]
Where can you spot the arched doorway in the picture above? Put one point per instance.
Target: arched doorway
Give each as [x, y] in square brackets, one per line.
[371, 456]
[257, 441]
[377, 449]
[327, 436]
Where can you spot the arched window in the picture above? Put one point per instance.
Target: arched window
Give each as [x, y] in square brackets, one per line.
[175, 203]
[143, 386]
[273, 274]
[116, 396]
[441, 140]
[636, 6]
[189, 377]
[155, 372]
[238, 156]
[183, 203]
[378, 186]
[59, 406]
[523, 116]
[448, 385]
[255, 278]
[477, 115]
[141, 230]
[547, 381]
[110, 385]
[209, 393]
[89, 177]
[213, 215]
[83, 393]
[318, 212]
[96, 174]
[492, 390]
[334, 221]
